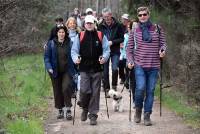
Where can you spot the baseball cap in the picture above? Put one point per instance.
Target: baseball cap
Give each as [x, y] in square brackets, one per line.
[88, 10]
[89, 19]
[125, 16]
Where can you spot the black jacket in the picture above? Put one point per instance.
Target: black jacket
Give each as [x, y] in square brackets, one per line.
[116, 34]
[90, 51]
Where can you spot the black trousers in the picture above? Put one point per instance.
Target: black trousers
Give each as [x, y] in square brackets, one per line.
[122, 69]
[62, 90]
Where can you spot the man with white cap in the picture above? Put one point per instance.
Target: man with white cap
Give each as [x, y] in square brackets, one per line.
[125, 21]
[122, 63]
[89, 11]
[90, 51]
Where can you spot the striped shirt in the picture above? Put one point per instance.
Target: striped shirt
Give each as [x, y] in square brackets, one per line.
[143, 53]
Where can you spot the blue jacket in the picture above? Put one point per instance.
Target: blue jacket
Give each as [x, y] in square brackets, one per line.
[123, 50]
[51, 59]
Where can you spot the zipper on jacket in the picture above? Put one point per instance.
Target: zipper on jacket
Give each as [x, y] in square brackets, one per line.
[91, 43]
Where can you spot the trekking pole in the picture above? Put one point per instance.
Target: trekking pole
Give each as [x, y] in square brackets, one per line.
[161, 68]
[75, 99]
[125, 83]
[161, 83]
[45, 79]
[130, 95]
[129, 74]
[105, 92]
[79, 57]
[75, 106]
[106, 103]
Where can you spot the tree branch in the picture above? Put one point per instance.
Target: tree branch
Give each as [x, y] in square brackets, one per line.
[7, 6]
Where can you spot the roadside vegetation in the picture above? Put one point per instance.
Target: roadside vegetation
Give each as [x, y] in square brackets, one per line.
[177, 102]
[24, 93]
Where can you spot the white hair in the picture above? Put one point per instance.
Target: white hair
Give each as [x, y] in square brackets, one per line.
[106, 10]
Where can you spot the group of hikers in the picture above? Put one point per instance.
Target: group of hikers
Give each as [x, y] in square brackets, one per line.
[80, 50]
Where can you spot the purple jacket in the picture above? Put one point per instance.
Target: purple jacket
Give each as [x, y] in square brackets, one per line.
[142, 53]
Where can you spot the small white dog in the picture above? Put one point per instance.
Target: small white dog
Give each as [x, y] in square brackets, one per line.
[117, 100]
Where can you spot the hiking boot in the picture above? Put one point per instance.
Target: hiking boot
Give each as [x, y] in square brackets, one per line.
[137, 116]
[60, 114]
[69, 115]
[84, 115]
[93, 119]
[147, 120]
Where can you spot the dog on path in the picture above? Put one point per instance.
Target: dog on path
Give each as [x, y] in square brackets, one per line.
[117, 100]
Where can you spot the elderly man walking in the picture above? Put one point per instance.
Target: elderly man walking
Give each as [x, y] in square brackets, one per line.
[113, 30]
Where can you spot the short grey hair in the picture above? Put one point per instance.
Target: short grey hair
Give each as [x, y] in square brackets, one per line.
[106, 10]
[143, 9]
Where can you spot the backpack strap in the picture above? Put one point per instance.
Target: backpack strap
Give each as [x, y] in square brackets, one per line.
[157, 29]
[134, 29]
[82, 33]
[134, 37]
[99, 33]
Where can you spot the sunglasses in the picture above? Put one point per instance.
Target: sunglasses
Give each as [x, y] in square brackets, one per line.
[60, 25]
[140, 15]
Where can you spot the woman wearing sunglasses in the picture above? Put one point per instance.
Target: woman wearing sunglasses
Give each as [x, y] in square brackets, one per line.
[146, 46]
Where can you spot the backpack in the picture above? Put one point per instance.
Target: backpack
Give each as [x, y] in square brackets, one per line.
[99, 33]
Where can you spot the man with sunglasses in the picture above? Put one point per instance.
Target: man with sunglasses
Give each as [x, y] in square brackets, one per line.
[146, 46]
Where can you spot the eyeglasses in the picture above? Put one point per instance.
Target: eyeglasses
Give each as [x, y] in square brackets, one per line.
[144, 14]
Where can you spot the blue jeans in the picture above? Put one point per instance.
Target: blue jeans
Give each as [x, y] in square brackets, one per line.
[115, 63]
[146, 78]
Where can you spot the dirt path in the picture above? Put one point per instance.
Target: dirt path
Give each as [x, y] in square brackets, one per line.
[118, 123]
